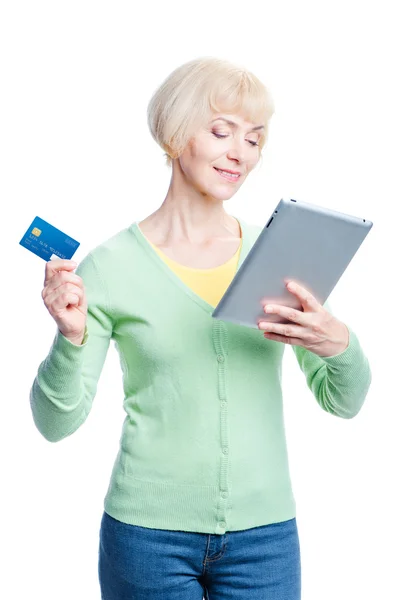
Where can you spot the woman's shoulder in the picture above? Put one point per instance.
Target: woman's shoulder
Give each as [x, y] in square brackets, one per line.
[110, 254]
[252, 230]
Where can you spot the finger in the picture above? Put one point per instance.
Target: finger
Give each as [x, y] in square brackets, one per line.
[281, 338]
[283, 329]
[61, 278]
[59, 299]
[53, 266]
[306, 298]
[296, 316]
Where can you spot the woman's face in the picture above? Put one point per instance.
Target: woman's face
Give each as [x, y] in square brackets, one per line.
[219, 158]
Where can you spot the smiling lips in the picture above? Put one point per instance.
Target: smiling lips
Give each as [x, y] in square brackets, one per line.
[229, 175]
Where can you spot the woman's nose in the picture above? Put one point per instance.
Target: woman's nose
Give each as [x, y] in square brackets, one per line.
[237, 150]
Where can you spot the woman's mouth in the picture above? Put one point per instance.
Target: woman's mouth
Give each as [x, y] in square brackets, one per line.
[227, 175]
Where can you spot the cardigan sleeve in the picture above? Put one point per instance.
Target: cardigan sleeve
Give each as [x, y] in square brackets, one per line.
[339, 383]
[64, 388]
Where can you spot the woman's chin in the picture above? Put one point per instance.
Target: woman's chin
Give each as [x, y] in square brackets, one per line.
[222, 194]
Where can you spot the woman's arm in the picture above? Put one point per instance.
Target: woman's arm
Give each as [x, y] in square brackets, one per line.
[63, 391]
[327, 350]
[339, 383]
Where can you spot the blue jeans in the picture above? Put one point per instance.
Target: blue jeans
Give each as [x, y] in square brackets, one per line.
[139, 563]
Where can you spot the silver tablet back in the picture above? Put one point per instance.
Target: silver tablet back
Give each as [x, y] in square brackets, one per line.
[304, 242]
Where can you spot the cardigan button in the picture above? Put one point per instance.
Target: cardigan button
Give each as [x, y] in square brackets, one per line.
[220, 357]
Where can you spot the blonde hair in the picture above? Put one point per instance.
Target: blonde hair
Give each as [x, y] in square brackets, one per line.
[185, 101]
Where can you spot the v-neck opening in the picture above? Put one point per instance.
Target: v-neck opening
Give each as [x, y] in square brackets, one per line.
[151, 251]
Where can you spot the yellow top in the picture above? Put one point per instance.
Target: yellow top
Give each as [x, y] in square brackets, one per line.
[210, 284]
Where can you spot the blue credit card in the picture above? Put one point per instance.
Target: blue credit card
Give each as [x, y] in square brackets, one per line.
[48, 242]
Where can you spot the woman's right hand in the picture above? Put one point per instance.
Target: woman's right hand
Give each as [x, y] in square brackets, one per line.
[65, 298]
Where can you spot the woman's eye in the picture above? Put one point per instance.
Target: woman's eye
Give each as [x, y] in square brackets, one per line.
[221, 135]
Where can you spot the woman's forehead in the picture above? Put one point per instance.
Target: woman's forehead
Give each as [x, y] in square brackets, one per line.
[236, 119]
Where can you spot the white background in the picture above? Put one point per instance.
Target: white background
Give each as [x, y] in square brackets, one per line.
[76, 78]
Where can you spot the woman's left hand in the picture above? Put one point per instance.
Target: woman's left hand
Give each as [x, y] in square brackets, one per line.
[315, 328]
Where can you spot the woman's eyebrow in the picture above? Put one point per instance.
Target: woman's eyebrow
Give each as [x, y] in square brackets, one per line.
[235, 124]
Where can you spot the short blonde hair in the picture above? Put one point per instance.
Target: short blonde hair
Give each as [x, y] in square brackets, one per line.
[185, 101]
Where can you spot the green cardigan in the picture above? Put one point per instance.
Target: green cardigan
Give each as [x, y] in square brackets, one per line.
[203, 446]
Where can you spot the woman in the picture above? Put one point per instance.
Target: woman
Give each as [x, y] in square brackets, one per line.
[200, 499]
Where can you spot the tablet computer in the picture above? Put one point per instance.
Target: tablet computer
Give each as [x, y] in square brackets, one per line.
[309, 244]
